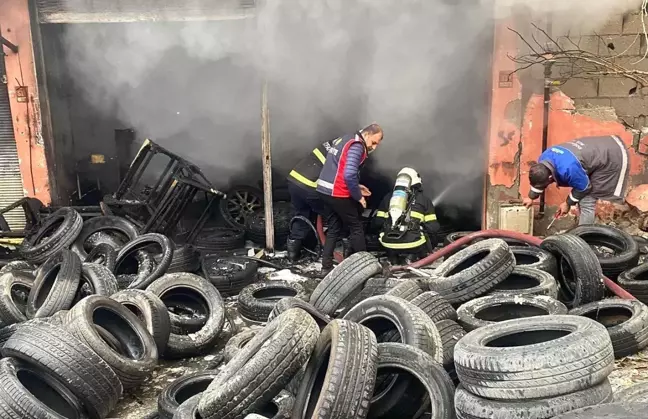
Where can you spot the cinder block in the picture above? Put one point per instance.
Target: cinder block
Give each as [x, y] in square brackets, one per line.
[632, 63]
[614, 26]
[580, 88]
[586, 43]
[632, 24]
[633, 106]
[616, 87]
[592, 102]
[611, 45]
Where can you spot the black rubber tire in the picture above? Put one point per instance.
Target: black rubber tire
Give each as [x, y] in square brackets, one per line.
[237, 342]
[626, 322]
[407, 290]
[527, 281]
[96, 280]
[17, 265]
[536, 258]
[262, 368]
[635, 281]
[468, 274]
[55, 350]
[137, 356]
[256, 301]
[241, 192]
[384, 313]
[143, 267]
[58, 232]
[470, 406]
[372, 287]
[229, 274]
[180, 390]
[219, 239]
[189, 408]
[608, 411]
[280, 407]
[202, 340]
[642, 242]
[576, 258]
[185, 259]
[343, 281]
[451, 332]
[625, 247]
[151, 311]
[55, 286]
[255, 229]
[7, 331]
[36, 394]
[572, 353]
[347, 353]
[637, 393]
[290, 302]
[491, 309]
[424, 369]
[106, 224]
[142, 242]
[14, 291]
[456, 235]
[435, 306]
[103, 254]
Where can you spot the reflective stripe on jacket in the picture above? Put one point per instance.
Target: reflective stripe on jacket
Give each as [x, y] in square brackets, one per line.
[306, 172]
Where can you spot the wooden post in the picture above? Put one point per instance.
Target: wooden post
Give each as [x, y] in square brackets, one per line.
[267, 168]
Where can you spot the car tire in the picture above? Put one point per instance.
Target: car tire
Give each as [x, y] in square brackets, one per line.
[181, 390]
[470, 406]
[229, 274]
[14, 292]
[256, 301]
[535, 258]
[58, 231]
[347, 353]
[628, 336]
[237, 342]
[626, 248]
[345, 280]
[54, 350]
[55, 286]
[219, 239]
[407, 290]
[241, 202]
[185, 259]
[103, 254]
[473, 272]
[107, 224]
[535, 357]
[96, 280]
[527, 281]
[140, 243]
[635, 281]
[435, 306]
[262, 368]
[137, 355]
[576, 260]
[290, 302]
[196, 343]
[151, 311]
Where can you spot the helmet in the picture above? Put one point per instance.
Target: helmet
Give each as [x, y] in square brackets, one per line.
[413, 174]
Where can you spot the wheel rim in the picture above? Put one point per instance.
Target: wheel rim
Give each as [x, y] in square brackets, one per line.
[241, 205]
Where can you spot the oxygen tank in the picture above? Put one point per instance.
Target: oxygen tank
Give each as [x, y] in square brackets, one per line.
[400, 197]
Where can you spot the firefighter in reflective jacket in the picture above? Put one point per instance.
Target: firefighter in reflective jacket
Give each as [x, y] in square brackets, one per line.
[302, 184]
[409, 221]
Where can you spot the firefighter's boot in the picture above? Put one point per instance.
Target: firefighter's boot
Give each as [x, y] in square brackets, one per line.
[294, 250]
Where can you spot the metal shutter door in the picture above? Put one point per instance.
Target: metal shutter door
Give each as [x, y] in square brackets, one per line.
[11, 187]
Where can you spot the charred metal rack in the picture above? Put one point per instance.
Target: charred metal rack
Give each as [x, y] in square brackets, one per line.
[32, 208]
[159, 208]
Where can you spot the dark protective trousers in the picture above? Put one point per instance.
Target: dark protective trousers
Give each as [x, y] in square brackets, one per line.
[345, 213]
[307, 203]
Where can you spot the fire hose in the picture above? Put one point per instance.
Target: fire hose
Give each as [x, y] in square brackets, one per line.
[484, 234]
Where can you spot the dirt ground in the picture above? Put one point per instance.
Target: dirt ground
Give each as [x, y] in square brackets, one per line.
[141, 403]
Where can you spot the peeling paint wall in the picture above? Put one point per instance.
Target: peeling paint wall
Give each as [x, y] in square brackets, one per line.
[21, 77]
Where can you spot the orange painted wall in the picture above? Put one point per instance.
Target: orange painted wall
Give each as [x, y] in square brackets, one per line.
[16, 27]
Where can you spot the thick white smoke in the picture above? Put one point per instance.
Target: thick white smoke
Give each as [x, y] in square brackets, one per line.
[420, 68]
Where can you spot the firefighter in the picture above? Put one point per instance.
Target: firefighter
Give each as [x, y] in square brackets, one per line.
[340, 189]
[594, 167]
[409, 223]
[302, 184]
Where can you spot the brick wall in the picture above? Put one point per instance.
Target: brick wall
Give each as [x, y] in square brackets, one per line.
[622, 41]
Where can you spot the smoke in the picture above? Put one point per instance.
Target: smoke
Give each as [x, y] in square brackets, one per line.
[420, 68]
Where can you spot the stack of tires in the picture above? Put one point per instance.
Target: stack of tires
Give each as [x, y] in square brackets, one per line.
[72, 341]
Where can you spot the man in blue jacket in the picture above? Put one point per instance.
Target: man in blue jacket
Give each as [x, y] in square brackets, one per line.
[339, 186]
[594, 167]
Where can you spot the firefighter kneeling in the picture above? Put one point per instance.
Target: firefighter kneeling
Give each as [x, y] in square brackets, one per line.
[409, 221]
